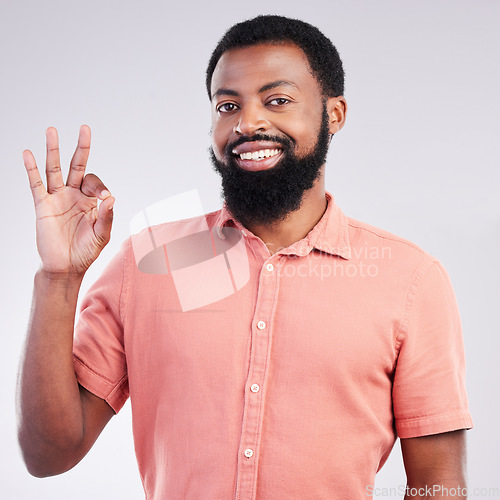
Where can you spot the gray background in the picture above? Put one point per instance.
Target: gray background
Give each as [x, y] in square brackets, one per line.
[419, 156]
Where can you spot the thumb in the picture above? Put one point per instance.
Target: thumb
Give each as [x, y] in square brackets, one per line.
[93, 186]
[102, 226]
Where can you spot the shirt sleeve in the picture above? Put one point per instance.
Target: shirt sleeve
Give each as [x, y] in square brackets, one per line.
[98, 349]
[429, 395]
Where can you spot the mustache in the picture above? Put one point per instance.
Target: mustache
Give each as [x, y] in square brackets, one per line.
[285, 142]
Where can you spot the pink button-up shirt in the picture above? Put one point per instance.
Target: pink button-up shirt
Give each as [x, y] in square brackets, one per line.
[272, 377]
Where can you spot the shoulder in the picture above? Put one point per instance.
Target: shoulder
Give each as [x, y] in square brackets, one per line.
[168, 231]
[362, 234]
[393, 255]
[150, 243]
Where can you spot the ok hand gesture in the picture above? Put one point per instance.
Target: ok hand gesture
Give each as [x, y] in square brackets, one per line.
[71, 230]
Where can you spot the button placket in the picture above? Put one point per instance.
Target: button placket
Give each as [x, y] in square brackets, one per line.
[254, 395]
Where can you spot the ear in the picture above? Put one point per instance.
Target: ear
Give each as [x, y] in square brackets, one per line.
[337, 110]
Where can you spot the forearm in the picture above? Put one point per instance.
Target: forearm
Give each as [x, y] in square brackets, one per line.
[436, 466]
[50, 413]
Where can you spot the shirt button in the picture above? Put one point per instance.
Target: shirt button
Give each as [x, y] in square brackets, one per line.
[270, 267]
[248, 453]
[255, 388]
[261, 325]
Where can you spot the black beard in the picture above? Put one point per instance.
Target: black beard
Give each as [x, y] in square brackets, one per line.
[269, 196]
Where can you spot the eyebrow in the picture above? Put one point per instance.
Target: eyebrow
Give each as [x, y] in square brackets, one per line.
[279, 83]
[267, 86]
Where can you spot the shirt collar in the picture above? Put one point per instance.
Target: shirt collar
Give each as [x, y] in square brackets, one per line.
[329, 235]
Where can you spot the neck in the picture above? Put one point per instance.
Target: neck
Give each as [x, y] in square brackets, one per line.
[297, 224]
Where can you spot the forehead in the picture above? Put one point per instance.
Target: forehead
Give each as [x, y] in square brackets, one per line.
[251, 67]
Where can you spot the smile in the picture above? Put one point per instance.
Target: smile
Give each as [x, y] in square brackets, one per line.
[262, 159]
[257, 155]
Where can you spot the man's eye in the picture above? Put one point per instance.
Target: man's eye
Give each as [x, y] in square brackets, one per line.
[279, 101]
[227, 107]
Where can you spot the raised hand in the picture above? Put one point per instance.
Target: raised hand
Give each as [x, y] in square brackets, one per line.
[71, 230]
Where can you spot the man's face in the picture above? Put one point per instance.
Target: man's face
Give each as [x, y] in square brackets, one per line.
[270, 130]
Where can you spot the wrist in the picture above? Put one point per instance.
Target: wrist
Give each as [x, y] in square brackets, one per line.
[60, 277]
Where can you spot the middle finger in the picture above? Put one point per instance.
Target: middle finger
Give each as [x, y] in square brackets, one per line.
[53, 164]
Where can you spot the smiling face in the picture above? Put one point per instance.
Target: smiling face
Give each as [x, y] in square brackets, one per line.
[267, 89]
[270, 129]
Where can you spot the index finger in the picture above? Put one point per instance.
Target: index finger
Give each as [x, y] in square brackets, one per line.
[79, 161]
[36, 184]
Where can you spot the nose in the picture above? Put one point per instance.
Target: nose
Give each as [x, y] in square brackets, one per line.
[250, 120]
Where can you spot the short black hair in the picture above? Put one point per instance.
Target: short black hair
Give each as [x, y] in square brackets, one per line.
[321, 54]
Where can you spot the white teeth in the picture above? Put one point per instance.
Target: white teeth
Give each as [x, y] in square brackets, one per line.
[259, 155]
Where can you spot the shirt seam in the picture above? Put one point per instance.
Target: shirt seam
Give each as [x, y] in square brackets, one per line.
[182, 221]
[103, 379]
[190, 219]
[118, 388]
[393, 238]
[423, 267]
[124, 286]
[196, 217]
[457, 412]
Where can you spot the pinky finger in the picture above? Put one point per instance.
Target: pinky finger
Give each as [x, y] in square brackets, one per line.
[36, 184]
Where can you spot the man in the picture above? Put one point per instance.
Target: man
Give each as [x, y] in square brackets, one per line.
[288, 371]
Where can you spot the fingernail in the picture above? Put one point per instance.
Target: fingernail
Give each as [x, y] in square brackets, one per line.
[104, 194]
